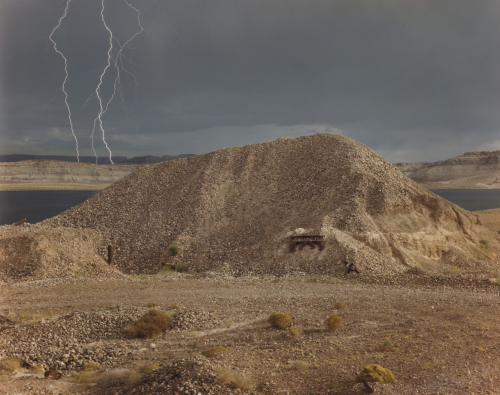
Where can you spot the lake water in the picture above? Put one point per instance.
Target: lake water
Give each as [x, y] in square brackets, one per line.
[471, 199]
[39, 205]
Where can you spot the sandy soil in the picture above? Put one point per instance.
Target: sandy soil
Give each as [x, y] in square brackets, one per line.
[443, 339]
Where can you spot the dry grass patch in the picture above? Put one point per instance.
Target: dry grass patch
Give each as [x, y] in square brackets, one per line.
[279, 320]
[299, 365]
[231, 378]
[114, 377]
[153, 323]
[150, 368]
[386, 345]
[86, 377]
[212, 351]
[10, 365]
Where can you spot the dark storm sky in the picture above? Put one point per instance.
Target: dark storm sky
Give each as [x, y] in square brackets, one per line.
[416, 80]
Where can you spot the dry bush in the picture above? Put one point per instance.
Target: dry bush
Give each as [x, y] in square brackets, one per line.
[10, 364]
[299, 365]
[152, 304]
[181, 267]
[234, 379]
[212, 351]
[86, 377]
[173, 250]
[174, 307]
[91, 367]
[37, 369]
[295, 331]
[340, 305]
[279, 320]
[150, 368]
[453, 270]
[114, 377]
[150, 324]
[334, 322]
[386, 345]
[133, 378]
[375, 373]
[485, 244]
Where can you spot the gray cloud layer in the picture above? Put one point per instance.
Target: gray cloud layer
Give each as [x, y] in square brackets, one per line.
[412, 80]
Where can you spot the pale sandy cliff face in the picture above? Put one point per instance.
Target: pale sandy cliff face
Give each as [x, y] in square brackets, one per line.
[59, 171]
[479, 169]
[235, 209]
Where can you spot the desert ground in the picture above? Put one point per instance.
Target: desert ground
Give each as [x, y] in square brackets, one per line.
[438, 335]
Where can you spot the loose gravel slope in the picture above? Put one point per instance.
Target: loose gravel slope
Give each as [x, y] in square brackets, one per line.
[235, 209]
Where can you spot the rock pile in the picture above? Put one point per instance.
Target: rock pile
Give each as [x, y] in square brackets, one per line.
[69, 342]
[235, 210]
[190, 376]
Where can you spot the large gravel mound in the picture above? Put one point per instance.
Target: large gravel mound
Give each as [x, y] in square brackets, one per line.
[235, 209]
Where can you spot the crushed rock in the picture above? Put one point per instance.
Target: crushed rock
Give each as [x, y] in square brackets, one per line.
[73, 340]
[190, 376]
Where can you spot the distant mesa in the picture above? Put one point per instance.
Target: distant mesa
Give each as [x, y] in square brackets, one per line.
[63, 169]
[478, 169]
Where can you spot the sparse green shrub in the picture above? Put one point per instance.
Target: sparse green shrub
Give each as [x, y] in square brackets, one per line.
[334, 322]
[150, 368]
[173, 250]
[212, 351]
[181, 267]
[386, 345]
[340, 305]
[279, 320]
[150, 324]
[10, 364]
[234, 379]
[485, 244]
[152, 304]
[295, 331]
[375, 373]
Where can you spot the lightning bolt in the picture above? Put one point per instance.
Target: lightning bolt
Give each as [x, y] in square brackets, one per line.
[66, 77]
[117, 82]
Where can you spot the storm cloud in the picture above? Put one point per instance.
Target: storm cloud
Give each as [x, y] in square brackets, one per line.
[414, 80]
